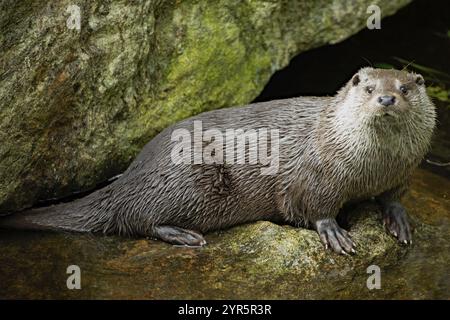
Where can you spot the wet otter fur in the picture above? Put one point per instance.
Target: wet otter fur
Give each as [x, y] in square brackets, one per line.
[363, 142]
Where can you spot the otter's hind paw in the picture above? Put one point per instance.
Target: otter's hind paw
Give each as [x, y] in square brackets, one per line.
[334, 237]
[395, 220]
[179, 236]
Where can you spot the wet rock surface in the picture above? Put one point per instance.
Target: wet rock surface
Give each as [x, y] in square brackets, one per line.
[259, 260]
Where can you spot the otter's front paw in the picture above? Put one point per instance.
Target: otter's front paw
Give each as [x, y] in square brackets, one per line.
[395, 219]
[334, 237]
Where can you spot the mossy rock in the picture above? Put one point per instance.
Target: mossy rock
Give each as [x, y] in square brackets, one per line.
[77, 105]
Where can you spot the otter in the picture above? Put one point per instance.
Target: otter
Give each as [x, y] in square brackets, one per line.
[362, 143]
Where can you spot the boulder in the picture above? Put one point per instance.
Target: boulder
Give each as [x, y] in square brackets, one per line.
[79, 100]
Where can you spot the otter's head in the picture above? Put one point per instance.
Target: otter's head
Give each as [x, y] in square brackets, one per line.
[381, 95]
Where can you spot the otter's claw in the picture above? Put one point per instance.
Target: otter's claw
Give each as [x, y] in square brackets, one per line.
[334, 237]
[396, 222]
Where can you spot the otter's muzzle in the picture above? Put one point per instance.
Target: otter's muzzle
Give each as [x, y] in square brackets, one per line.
[386, 100]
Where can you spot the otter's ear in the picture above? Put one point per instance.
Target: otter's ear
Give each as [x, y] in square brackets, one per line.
[419, 80]
[356, 79]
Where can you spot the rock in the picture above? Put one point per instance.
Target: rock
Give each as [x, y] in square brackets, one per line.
[77, 105]
[243, 260]
[438, 158]
[253, 261]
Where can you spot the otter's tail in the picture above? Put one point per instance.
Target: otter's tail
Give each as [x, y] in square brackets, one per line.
[64, 216]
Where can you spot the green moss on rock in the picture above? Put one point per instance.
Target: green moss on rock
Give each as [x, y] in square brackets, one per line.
[77, 106]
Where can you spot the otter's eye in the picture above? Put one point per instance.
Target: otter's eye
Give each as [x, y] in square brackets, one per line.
[369, 89]
[404, 89]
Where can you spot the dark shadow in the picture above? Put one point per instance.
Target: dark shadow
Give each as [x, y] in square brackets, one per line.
[416, 33]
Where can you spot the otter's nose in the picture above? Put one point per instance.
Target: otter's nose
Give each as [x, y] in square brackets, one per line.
[386, 100]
